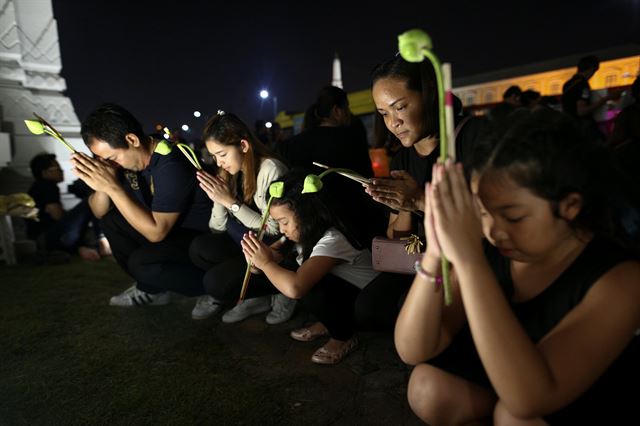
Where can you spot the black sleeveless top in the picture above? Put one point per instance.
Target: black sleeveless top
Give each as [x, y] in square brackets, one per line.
[540, 315]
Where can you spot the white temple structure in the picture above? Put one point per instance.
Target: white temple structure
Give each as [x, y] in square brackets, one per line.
[30, 82]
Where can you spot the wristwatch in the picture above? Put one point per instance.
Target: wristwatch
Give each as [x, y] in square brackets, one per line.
[235, 207]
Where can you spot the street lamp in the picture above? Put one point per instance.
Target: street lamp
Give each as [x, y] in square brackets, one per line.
[264, 94]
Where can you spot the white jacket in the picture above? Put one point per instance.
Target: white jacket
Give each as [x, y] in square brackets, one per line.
[270, 170]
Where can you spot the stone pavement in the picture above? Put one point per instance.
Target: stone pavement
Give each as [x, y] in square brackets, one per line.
[367, 388]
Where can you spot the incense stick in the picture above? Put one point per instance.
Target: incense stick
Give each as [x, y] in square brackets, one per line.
[352, 176]
[247, 273]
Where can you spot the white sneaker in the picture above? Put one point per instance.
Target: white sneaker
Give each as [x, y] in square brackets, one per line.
[205, 307]
[248, 307]
[134, 297]
[282, 309]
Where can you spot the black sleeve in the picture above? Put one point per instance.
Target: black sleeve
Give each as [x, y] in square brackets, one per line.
[45, 192]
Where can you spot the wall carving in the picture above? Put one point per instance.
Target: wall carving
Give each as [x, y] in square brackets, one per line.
[30, 64]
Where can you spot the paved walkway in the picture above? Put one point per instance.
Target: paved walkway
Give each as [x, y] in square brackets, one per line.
[367, 388]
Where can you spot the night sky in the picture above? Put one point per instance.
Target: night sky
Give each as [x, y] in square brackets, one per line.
[163, 60]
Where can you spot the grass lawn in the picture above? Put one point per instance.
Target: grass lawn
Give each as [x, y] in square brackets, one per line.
[66, 357]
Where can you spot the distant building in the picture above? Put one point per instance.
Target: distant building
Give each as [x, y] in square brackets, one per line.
[618, 68]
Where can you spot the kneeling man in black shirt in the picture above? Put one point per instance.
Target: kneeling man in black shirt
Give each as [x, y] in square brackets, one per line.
[149, 202]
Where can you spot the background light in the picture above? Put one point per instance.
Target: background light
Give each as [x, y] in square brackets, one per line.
[264, 94]
[166, 136]
[185, 127]
[196, 114]
[268, 125]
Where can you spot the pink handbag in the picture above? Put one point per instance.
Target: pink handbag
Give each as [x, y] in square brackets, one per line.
[397, 256]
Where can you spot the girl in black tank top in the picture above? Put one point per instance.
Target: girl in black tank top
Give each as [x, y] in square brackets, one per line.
[542, 326]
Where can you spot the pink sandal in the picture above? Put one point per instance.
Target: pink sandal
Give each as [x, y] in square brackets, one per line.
[307, 335]
[325, 356]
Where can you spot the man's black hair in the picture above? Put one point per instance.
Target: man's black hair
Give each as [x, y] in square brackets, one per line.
[111, 123]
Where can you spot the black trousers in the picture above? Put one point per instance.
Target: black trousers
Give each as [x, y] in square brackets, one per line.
[224, 264]
[157, 267]
[379, 303]
[208, 250]
[224, 281]
[332, 301]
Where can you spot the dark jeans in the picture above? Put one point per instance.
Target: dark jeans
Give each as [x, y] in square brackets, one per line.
[157, 267]
[222, 259]
[331, 300]
[378, 305]
[236, 231]
[68, 233]
[224, 281]
[208, 250]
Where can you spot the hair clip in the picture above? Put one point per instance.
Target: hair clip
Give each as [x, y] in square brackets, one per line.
[220, 112]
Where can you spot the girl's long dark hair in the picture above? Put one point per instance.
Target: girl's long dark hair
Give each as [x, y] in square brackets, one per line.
[546, 152]
[419, 77]
[312, 212]
[228, 129]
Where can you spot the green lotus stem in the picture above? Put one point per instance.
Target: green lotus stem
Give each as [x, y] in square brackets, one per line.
[191, 156]
[40, 126]
[444, 143]
[444, 154]
[65, 143]
[337, 170]
[313, 183]
[413, 46]
[247, 273]
[276, 189]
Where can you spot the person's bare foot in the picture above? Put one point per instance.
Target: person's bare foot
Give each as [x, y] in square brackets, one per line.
[104, 248]
[89, 254]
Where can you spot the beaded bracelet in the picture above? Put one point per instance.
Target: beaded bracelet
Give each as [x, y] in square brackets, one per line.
[437, 280]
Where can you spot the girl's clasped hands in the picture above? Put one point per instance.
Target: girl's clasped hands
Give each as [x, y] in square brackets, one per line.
[452, 221]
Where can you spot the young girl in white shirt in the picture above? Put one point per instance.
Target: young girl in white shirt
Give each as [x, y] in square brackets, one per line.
[332, 267]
